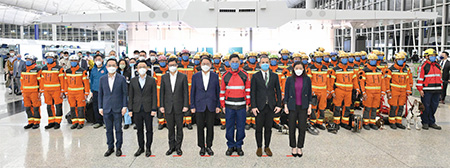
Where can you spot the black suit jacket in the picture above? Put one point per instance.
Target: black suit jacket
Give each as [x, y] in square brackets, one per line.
[177, 99]
[259, 93]
[445, 70]
[146, 96]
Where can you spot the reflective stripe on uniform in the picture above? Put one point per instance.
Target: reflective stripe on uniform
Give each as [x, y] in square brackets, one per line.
[373, 87]
[345, 85]
[74, 75]
[46, 71]
[75, 89]
[399, 86]
[236, 87]
[432, 88]
[345, 72]
[319, 87]
[433, 75]
[29, 73]
[30, 87]
[235, 103]
[52, 85]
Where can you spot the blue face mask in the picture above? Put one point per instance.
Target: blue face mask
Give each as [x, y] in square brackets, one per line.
[18, 58]
[28, 63]
[304, 61]
[185, 58]
[216, 61]
[196, 62]
[380, 57]
[234, 66]
[373, 62]
[363, 57]
[73, 64]
[351, 60]
[265, 67]
[50, 60]
[358, 58]
[441, 57]
[273, 62]
[400, 62]
[242, 61]
[227, 63]
[132, 64]
[344, 61]
[179, 58]
[326, 59]
[318, 60]
[252, 60]
[333, 58]
[162, 64]
[285, 57]
[296, 61]
[432, 58]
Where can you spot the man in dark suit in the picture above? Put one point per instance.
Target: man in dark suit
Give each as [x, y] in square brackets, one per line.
[265, 100]
[17, 71]
[112, 103]
[205, 103]
[174, 100]
[142, 105]
[445, 66]
[83, 62]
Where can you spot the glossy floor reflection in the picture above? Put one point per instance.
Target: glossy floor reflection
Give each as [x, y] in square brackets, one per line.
[85, 148]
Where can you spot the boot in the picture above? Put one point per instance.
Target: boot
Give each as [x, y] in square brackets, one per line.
[346, 126]
[35, 126]
[393, 126]
[51, 125]
[28, 126]
[160, 126]
[247, 127]
[400, 126]
[189, 126]
[320, 126]
[80, 126]
[57, 126]
[373, 126]
[74, 126]
[222, 127]
[366, 127]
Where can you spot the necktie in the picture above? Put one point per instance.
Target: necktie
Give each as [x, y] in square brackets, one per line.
[266, 78]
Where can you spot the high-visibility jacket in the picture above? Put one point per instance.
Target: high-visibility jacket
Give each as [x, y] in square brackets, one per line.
[235, 89]
[76, 80]
[334, 63]
[30, 79]
[251, 69]
[188, 69]
[343, 77]
[281, 77]
[382, 65]
[319, 76]
[398, 79]
[52, 78]
[158, 75]
[429, 77]
[218, 69]
[372, 80]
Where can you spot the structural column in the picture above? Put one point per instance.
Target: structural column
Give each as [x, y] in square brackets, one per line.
[217, 39]
[309, 4]
[251, 39]
[54, 32]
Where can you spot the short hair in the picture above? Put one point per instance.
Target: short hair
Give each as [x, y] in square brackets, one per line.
[263, 57]
[65, 52]
[234, 56]
[171, 60]
[144, 52]
[80, 52]
[201, 60]
[138, 62]
[135, 51]
[152, 51]
[132, 59]
[98, 55]
[11, 50]
[445, 52]
[112, 59]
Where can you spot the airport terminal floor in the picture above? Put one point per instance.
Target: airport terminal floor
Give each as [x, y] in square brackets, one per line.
[85, 147]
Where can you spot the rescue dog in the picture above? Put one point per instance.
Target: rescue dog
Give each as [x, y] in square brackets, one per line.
[413, 117]
[380, 123]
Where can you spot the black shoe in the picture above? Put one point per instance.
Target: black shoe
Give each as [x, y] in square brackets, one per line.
[126, 126]
[393, 126]
[160, 127]
[373, 126]
[57, 126]
[80, 126]
[320, 126]
[35, 126]
[346, 126]
[74, 126]
[109, 152]
[179, 152]
[28, 126]
[425, 126]
[400, 126]
[148, 153]
[139, 152]
[240, 151]
[189, 126]
[229, 151]
[222, 127]
[202, 152]
[277, 126]
[170, 151]
[135, 127]
[247, 127]
[209, 151]
[118, 153]
[435, 126]
[51, 125]
[366, 127]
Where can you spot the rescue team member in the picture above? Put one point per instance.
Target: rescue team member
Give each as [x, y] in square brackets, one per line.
[251, 68]
[429, 84]
[159, 72]
[373, 87]
[30, 91]
[197, 66]
[235, 100]
[52, 85]
[398, 90]
[343, 81]
[77, 90]
[279, 72]
[363, 58]
[226, 67]
[334, 60]
[318, 73]
[187, 67]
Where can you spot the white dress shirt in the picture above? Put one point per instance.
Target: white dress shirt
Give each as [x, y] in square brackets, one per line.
[206, 79]
[173, 80]
[264, 75]
[111, 81]
[142, 81]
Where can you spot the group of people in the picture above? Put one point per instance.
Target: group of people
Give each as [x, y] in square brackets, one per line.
[256, 90]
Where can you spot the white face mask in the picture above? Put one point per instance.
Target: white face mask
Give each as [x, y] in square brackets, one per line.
[152, 58]
[172, 68]
[141, 58]
[206, 67]
[98, 63]
[298, 72]
[111, 69]
[142, 71]
[11, 54]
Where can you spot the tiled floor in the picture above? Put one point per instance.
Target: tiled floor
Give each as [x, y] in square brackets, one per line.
[85, 148]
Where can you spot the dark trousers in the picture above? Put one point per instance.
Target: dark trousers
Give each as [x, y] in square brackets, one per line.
[113, 120]
[264, 119]
[444, 90]
[205, 119]
[175, 119]
[431, 102]
[98, 117]
[235, 118]
[299, 115]
[139, 119]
